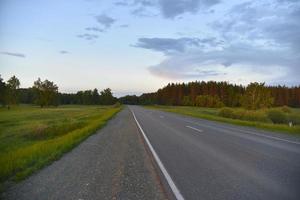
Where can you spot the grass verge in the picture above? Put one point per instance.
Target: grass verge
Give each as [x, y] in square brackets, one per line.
[31, 137]
[212, 114]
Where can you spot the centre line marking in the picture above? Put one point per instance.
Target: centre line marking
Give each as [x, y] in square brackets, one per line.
[195, 129]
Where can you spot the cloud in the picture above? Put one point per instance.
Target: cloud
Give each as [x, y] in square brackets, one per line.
[88, 36]
[63, 52]
[170, 45]
[173, 8]
[124, 26]
[142, 12]
[13, 54]
[274, 23]
[192, 64]
[105, 20]
[254, 41]
[121, 3]
[95, 29]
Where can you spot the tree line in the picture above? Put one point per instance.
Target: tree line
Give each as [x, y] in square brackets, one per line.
[203, 94]
[219, 94]
[45, 93]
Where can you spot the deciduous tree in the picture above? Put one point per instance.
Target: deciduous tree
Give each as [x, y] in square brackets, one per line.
[257, 96]
[12, 87]
[46, 92]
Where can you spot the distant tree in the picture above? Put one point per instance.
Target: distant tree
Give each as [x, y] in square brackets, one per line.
[129, 99]
[2, 92]
[186, 101]
[208, 101]
[95, 96]
[26, 95]
[46, 93]
[257, 96]
[13, 85]
[149, 98]
[106, 97]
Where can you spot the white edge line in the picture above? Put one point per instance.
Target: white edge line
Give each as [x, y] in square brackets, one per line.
[172, 185]
[195, 129]
[266, 136]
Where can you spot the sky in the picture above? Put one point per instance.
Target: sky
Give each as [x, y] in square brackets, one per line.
[137, 46]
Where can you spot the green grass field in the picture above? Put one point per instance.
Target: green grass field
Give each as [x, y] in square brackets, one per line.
[31, 137]
[256, 119]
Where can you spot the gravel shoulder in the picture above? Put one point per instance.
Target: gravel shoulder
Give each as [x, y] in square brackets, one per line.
[111, 164]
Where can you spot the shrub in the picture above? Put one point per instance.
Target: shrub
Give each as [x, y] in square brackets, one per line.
[294, 118]
[277, 116]
[226, 112]
[242, 114]
[117, 104]
[255, 116]
[286, 109]
[186, 101]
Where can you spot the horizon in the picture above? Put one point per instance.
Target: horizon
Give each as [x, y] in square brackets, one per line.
[139, 46]
[123, 94]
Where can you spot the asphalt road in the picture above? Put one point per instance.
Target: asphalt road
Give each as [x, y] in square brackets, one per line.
[112, 164]
[210, 160]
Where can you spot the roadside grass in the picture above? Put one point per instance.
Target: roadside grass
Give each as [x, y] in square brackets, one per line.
[257, 119]
[31, 137]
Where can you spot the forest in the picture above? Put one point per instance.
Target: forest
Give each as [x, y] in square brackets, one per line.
[219, 94]
[198, 93]
[45, 93]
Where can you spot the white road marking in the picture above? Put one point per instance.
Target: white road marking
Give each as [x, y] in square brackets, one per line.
[245, 132]
[194, 129]
[171, 183]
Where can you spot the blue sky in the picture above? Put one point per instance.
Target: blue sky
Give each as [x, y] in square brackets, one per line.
[140, 45]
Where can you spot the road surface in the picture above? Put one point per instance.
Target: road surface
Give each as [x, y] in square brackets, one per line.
[210, 160]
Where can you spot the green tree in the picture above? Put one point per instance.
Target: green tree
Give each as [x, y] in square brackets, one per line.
[106, 97]
[13, 85]
[2, 92]
[257, 96]
[208, 101]
[95, 96]
[186, 101]
[46, 93]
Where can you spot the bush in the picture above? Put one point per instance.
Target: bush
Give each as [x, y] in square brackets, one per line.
[255, 116]
[294, 118]
[226, 112]
[117, 104]
[242, 114]
[186, 101]
[277, 116]
[286, 109]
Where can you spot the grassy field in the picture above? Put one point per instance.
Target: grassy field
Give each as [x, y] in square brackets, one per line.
[258, 119]
[31, 137]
